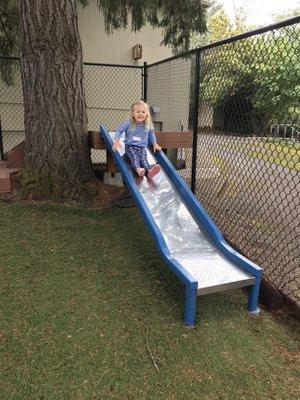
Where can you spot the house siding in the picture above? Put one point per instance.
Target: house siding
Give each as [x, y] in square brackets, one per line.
[116, 48]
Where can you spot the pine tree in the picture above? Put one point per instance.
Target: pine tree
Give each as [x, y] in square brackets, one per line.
[178, 19]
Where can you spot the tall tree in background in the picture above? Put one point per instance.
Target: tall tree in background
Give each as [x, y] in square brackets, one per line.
[254, 82]
[57, 154]
[219, 25]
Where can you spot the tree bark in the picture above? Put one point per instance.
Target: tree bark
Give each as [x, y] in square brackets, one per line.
[56, 137]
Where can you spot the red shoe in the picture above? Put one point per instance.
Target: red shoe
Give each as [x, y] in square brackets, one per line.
[140, 171]
[154, 171]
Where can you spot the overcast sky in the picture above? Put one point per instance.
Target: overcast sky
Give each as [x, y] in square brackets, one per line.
[259, 12]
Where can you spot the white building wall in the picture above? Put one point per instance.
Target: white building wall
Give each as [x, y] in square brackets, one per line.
[169, 89]
[116, 48]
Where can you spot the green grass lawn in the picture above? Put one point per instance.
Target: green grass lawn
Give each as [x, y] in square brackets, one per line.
[87, 306]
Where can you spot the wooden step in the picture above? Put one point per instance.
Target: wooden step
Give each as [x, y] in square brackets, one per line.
[5, 178]
[3, 163]
[5, 183]
[15, 157]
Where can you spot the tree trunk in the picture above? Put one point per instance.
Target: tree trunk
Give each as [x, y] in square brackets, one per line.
[55, 114]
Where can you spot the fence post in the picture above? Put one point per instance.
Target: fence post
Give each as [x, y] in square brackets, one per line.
[1, 143]
[195, 122]
[144, 75]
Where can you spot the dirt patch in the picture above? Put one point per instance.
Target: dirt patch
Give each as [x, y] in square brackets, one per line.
[105, 195]
[102, 196]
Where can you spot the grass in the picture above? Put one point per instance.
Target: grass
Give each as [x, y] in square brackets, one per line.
[279, 151]
[87, 306]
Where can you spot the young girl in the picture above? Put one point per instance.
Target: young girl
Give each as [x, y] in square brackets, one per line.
[138, 130]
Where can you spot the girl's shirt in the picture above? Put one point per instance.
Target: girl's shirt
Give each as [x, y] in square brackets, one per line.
[136, 136]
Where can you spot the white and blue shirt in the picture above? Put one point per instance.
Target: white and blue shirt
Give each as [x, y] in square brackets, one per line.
[136, 136]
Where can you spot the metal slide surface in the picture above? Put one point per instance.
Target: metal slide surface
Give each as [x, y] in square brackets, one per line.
[197, 249]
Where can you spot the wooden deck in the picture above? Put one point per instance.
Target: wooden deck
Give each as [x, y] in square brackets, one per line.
[5, 177]
[13, 163]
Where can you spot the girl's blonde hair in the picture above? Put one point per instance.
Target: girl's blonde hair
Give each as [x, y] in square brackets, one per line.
[148, 121]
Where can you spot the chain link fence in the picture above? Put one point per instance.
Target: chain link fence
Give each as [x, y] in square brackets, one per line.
[240, 97]
[11, 103]
[170, 91]
[247, 141]
[110, 90]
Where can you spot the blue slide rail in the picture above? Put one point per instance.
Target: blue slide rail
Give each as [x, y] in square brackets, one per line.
[202, 218]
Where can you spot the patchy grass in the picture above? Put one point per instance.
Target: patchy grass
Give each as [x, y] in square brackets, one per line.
[87, 306]
[281, 152]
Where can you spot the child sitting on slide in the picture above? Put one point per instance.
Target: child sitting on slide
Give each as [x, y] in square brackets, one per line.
[138, 130]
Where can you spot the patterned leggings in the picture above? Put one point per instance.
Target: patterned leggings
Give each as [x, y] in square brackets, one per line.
[137, 156]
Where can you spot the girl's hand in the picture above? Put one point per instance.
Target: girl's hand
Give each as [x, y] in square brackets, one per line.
[156, 147]
[116, 145]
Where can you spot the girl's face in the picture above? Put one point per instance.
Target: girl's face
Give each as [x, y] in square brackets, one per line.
[139, 113]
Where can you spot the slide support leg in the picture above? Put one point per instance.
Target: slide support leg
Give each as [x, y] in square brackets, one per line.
[190, 306]
[253, 308]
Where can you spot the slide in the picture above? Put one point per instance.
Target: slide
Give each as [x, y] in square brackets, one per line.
[188, 239]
